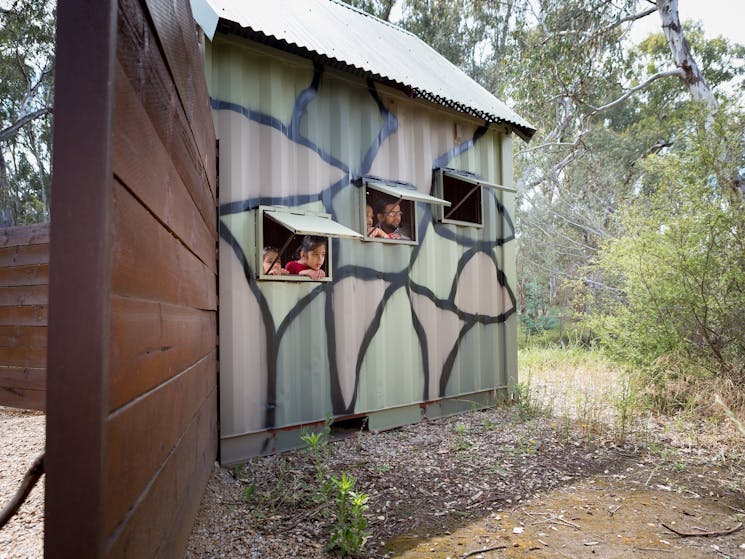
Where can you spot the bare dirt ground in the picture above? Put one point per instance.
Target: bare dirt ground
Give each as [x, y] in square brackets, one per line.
[569, 471]
[525, 488]
[514, 481]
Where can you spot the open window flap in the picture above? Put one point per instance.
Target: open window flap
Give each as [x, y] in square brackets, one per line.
[468, 177]
[302, 224]
[404, 193]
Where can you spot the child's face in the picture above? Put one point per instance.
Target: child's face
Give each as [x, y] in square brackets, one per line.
[369, 217]
[315, 257]
[269, 257]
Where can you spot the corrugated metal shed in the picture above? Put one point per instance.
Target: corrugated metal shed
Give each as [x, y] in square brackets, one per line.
[341, 36]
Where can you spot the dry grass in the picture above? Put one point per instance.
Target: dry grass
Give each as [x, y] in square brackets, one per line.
[584, 386]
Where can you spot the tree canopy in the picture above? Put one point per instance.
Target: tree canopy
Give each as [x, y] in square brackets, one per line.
[26, 83]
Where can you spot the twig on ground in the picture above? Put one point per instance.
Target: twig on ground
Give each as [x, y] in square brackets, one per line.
[477, 551]
[735, 509]
[615, 510]
[551, 518]
[702, 534]
[29, 480]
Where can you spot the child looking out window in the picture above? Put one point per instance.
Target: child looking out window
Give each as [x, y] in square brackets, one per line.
[271, 263]
[312, 257]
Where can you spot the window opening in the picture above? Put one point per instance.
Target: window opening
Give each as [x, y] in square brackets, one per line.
[295, 245]
[463, 191]
[390, 210]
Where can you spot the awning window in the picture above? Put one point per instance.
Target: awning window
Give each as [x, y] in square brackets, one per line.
[304, 224]
[468, 177]
[403, 193]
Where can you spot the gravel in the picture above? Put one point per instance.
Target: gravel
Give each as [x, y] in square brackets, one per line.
[22, 440]
[423, 479]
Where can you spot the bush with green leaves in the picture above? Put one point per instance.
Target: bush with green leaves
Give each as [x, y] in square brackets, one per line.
[677, 306]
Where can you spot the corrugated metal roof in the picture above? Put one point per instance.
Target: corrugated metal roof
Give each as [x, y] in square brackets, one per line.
[344, 37]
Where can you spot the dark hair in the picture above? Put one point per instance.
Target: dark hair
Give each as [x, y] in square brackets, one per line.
[383, 204]
[267, 250]
[311, 242]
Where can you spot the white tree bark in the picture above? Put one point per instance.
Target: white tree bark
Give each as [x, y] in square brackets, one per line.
[681, 51]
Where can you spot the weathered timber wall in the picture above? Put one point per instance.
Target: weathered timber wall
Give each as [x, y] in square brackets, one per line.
[24, 293]
[132, 414]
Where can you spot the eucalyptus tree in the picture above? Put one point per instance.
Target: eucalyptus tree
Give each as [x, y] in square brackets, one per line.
[26, 81]
[602, 106]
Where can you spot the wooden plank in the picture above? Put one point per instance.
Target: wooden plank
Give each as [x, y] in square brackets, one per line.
[75, 484]
[22, 387]
[143, 434]
[160, 523]
[157, 184]
[29, 315]
[34, 274]
[24, 235]
[23, 357]
[24, 295]
[31, 378]
[23, 336]
[22, 255]
[23, 346]
[174, 25]
[148, 262]
[143, 64]
[151, 340]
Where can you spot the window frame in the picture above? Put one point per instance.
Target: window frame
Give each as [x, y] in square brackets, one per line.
[468, 178]
[403, 192]
[276, 213]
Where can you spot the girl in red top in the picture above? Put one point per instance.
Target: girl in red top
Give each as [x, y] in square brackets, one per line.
[312, 256]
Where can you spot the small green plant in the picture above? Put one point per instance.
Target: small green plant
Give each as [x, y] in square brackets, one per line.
[490, 425]
[239, 470]
[248, 492]
[625, 404]
[528, 403]
[461, 443]
[319, 448]
[348, 533]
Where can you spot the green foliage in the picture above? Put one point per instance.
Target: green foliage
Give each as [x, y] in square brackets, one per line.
[319, 449]
[625, 403]
[678, 302]
[26, 89]
[527, 402]
[348, 533]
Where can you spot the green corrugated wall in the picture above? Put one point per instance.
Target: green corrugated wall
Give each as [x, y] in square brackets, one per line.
[399, 324]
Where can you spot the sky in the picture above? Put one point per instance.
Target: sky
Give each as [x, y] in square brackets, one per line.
[719, 17]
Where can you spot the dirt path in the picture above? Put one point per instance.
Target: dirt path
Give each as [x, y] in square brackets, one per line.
[603, 516]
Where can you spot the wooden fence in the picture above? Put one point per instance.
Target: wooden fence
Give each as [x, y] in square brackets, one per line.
[24, 293]
[132, 400]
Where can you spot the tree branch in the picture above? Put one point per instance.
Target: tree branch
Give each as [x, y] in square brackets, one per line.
[25, 119]
[634, 17]
[628, 93]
